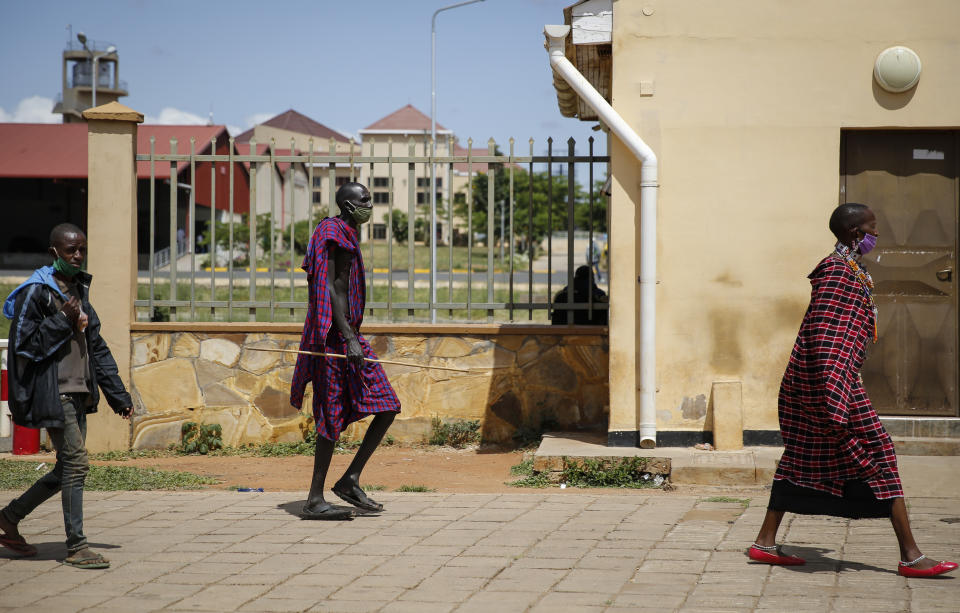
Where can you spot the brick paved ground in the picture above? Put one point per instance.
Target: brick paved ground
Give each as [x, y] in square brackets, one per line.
[552, 551]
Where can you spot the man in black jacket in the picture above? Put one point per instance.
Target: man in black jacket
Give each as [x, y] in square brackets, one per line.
[57, 364]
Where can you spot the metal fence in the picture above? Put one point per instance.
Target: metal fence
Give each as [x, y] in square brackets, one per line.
[543, 205]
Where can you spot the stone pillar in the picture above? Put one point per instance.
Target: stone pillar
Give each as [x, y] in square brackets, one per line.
[622, 430]
[727, 415]
[112, 248]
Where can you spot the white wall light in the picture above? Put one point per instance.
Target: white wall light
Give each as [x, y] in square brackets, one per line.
[897, 69]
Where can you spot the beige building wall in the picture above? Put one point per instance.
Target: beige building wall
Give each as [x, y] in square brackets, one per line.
[749, 102]
[291, 197]
[398, 145]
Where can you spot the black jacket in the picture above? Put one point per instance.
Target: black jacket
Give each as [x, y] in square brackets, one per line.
[39, 335]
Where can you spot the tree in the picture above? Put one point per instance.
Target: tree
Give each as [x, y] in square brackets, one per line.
[544, 201]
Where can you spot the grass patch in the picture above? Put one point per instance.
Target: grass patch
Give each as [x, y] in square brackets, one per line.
[414, 488]
[18, 475]
[380, 292]
[373, 488]
[741, 501]
[528, 478]
[457, 433]
[133, 454]
[620, 472]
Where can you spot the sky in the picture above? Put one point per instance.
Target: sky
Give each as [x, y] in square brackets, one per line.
[343, 63]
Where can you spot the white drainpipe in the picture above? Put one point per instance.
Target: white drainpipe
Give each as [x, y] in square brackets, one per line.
[556, 36]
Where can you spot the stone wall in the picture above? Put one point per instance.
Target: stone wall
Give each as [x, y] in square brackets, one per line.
[520, 377]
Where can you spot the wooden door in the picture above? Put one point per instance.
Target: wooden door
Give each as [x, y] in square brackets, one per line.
[909, 179]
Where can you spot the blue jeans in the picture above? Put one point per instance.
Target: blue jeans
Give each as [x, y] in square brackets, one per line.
[67, 476]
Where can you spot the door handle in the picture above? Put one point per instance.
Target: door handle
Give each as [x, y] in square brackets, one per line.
[945, 275]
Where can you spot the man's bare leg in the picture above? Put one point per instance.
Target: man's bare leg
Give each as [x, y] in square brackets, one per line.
[908, 546]
[348, 487]
[317, 507]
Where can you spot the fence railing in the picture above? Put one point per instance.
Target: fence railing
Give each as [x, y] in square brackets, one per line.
[517, 227]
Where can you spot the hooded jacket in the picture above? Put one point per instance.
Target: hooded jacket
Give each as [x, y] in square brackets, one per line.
[39, 339]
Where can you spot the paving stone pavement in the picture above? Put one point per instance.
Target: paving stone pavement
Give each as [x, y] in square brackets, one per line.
[572, 551]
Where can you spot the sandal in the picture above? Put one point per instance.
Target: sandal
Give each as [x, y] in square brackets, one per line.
[327, 512]
[356, 496]
[86, 559]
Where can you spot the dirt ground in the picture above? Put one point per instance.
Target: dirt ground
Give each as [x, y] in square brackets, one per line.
[439, 468]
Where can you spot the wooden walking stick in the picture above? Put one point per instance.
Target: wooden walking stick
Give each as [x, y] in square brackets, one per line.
[343, 357]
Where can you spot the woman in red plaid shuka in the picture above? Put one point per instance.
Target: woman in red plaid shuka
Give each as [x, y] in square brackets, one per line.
[343, 390]
[838, 459]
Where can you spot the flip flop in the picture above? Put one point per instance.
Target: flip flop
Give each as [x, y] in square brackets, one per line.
[91, 560]
[361, 503]
[19, 545]
[327, 513]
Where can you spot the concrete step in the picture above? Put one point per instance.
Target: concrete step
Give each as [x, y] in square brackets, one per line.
[922, 474]
[749, 466]
[926, 446]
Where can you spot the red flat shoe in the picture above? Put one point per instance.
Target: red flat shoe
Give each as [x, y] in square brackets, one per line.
[757, 554]
[905, 569]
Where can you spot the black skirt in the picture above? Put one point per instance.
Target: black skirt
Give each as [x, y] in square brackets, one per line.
[857, 502]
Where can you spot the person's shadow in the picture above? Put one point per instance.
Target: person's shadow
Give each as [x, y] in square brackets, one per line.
[294, 507]
[52, 551]
[818, 562]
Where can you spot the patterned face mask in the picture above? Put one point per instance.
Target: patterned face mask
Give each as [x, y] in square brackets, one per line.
[360, 214]
[867, 244]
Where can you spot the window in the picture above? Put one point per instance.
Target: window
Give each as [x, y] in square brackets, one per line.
[421, 198]
[423, 181]
[460, 198]
[380, 230]
[316, 197]
[381, 181]
[342, 181]
[317, 182]
[381, 197]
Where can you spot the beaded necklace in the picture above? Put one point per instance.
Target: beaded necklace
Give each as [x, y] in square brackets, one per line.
[866, 281]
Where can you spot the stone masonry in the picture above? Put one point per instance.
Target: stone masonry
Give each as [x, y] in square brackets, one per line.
[516, 381]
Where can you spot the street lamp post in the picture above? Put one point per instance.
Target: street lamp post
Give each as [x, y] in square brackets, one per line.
[433, 154]
[95, 59]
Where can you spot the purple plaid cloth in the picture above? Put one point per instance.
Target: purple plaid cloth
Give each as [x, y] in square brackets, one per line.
[342, 393]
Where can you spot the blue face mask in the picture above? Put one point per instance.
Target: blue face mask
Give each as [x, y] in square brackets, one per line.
[867, 244]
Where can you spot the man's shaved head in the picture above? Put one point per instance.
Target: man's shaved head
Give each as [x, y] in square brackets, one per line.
[61, 230]
[847, 216]
[350, 192]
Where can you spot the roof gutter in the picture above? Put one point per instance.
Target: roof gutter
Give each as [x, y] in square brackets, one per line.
[556, 36]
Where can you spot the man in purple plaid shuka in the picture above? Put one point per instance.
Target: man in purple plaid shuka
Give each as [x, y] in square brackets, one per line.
[344, 390]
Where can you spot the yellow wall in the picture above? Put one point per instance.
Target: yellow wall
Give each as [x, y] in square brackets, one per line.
[750, 99]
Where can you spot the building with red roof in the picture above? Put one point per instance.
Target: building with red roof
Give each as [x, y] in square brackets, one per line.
[43, 169]
[292, 130]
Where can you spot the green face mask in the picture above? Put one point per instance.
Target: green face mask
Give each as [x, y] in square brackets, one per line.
[360, 214]
[64, 267]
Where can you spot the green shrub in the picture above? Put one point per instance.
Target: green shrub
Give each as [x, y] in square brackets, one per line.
[200, 438]
[457, 433]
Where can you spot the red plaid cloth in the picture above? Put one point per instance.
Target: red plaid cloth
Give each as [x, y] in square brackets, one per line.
[831, 433]
[342, 393]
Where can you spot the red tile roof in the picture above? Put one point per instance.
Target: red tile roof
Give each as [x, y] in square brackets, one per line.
[183, 134]
[52, 150]
[299, 123]
[59, 150]
[407, 118]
